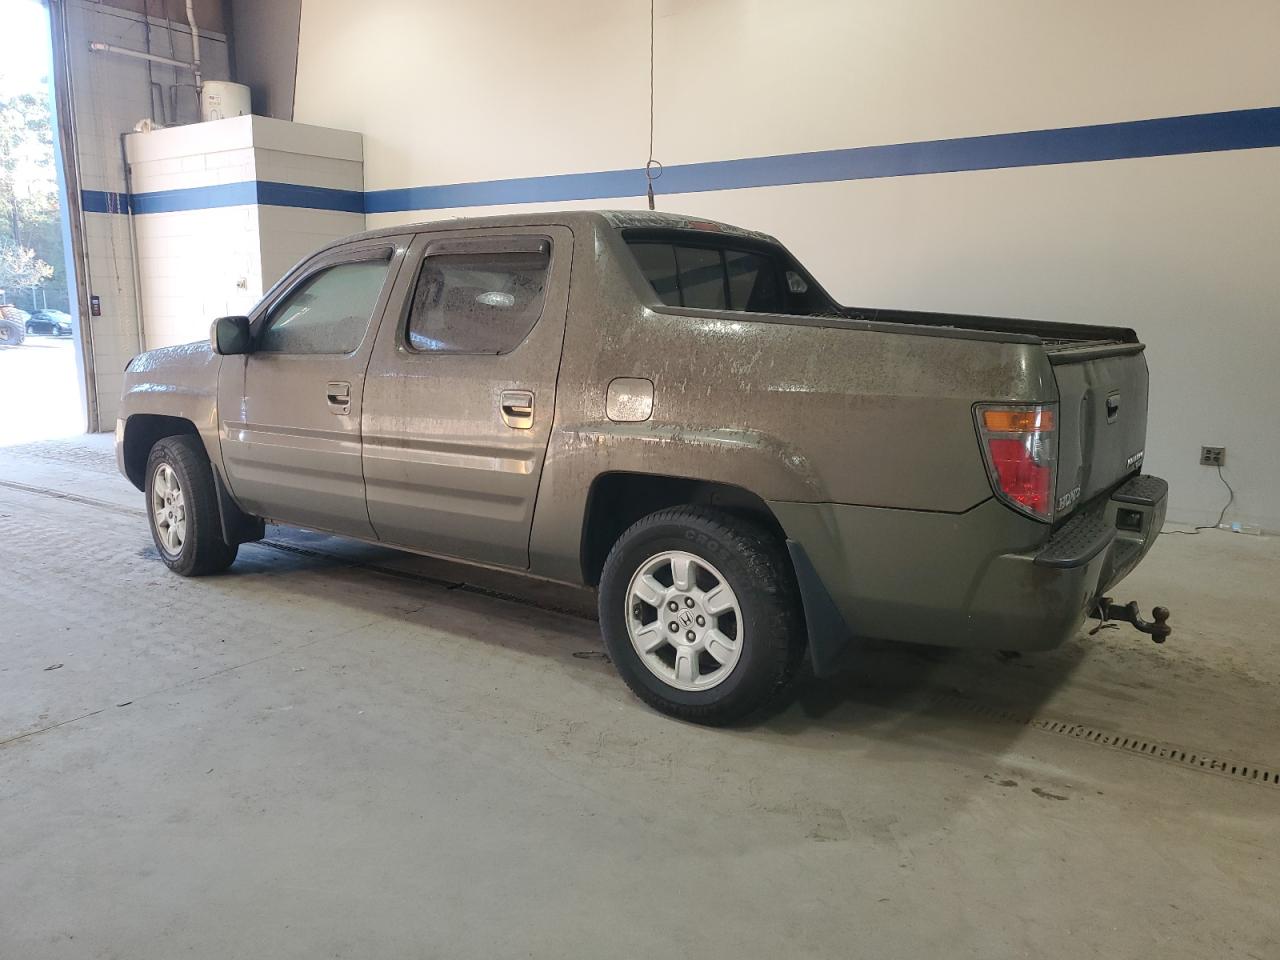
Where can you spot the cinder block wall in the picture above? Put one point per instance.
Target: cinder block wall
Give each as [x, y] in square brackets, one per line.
[1183, 247]
[110, 94]
[207, 245]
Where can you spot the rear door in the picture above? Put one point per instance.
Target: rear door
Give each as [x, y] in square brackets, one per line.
[461, 390]
[290, 410]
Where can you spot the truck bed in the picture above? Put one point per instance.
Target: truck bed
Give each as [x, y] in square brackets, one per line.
[1057, 338]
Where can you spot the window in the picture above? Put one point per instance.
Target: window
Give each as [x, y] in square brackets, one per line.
[711, 277]
[482, 301]
[701, 278]
[753, 283]
[329, 313]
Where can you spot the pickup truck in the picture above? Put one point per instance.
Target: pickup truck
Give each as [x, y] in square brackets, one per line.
[674, 411]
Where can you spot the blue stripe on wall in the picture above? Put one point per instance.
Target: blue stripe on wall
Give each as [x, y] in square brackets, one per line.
[1165, 136]
[103, 201]
[197, 198]
[315, 198]
[249, 192]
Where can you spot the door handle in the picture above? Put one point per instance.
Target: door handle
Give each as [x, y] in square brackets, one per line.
[338, 393]
[517, 408]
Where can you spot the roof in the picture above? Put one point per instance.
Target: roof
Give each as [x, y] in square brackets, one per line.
[614, 219]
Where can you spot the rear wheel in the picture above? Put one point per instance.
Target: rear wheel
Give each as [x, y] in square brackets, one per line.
[701, 614]
[182, 508]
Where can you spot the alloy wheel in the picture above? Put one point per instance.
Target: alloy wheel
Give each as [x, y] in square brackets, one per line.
[168, 509]
[684, 620]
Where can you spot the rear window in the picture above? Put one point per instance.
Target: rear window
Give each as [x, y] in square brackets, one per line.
[714, 275]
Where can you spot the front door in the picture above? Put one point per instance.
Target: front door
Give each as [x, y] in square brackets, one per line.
[461, 391]
[290, 410]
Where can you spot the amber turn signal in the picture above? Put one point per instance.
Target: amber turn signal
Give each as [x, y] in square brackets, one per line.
[1017, 421]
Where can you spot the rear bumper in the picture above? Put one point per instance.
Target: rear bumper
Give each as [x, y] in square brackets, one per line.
[987, 578]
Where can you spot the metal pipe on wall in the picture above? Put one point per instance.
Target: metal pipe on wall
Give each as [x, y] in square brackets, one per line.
[99, 47]
[140, 323]
[153, 87]
[195, 52]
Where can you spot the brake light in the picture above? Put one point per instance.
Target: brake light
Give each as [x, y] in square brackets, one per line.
[1020, 445]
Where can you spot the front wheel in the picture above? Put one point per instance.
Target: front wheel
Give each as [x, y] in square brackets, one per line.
[182, 507]
[701, 614]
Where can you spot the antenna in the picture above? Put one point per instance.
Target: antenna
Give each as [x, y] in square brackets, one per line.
[651, 163]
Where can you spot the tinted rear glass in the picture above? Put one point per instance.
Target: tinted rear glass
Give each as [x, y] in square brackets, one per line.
[710, 277]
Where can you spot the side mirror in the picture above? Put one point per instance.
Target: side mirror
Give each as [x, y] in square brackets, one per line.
[230, 335]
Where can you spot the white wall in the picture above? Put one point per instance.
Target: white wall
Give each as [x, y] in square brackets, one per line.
[1185, 248]
[210, 261]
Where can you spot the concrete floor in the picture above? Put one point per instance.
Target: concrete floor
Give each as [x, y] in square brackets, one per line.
[333, 751]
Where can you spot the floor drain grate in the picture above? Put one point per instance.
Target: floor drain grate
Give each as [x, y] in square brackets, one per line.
[1153, 749]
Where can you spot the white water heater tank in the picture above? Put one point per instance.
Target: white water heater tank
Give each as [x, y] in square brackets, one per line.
[220, 99]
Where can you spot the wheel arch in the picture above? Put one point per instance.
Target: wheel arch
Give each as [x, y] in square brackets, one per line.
[617, 499]
[142, 431]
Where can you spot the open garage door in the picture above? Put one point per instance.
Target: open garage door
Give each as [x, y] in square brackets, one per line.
[39, 324]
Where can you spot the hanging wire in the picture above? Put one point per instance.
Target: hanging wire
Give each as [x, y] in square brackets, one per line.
[1231, 498]
[651, 164]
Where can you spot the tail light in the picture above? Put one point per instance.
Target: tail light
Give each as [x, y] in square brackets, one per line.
[1020, 444]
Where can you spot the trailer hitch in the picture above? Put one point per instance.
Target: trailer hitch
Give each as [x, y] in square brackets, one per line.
[1158, 627]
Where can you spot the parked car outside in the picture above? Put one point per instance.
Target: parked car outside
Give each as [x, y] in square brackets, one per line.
[673, 411]
[53, 323]
[13, 325]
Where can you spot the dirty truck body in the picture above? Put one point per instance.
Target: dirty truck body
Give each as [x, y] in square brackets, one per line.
[950, 480]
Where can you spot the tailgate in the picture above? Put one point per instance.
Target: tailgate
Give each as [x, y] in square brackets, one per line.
[1102, 418]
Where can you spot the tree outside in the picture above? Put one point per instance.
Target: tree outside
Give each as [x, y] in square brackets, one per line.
[32, 268]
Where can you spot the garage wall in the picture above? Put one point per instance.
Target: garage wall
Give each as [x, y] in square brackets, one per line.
[110, 94]
[217, 255]
[265, 41]
[1184, 247]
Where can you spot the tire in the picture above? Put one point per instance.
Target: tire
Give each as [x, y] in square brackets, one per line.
[197, 547]
[766, 625]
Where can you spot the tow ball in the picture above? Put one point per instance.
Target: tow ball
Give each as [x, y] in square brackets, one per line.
[1158, 627]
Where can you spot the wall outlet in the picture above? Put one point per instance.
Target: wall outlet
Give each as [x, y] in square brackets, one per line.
[1213, 456]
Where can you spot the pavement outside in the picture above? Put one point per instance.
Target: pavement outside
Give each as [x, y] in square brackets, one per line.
[41, 390]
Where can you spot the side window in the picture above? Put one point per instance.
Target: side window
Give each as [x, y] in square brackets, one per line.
[658, 264]
[753, 283]
[329, 313]
[701, 277]
[711, 278]
[478, 302]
